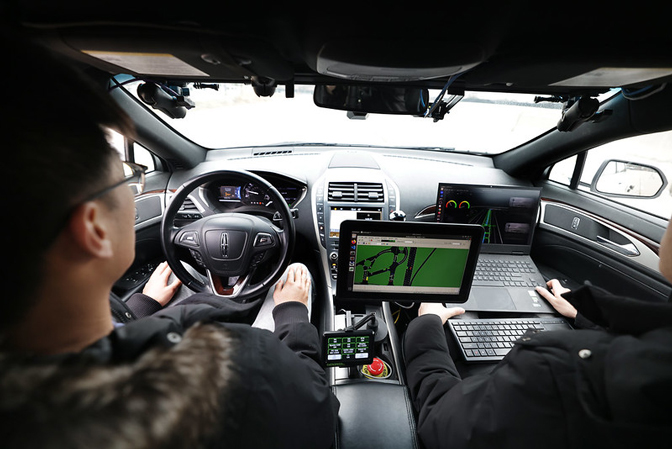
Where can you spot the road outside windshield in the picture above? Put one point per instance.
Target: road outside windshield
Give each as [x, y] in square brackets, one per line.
[234, 116]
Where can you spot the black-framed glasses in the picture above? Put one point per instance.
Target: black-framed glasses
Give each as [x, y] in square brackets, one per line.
[134, 177]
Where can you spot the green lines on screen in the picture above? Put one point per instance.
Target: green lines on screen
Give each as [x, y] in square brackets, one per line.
[410, 266]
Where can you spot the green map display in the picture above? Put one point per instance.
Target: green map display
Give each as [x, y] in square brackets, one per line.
[410, 266]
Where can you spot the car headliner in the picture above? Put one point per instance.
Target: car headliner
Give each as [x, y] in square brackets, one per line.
[521, 46]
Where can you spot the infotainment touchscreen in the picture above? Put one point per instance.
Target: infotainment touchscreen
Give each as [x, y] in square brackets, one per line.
[406, 261]
[338, 214]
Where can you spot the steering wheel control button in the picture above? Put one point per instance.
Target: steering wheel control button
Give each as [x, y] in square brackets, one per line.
[258, 258]
[263, 239]
[197, 257]
[189, 238]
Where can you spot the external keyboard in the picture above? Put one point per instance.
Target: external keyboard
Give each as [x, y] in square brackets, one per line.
[503, 273]
[490, 339]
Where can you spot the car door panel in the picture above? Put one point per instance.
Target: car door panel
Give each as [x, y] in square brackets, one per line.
[148, 254]
[574, 242]
[599, 234]
[149, 208]
[627, 218]
[574, 263]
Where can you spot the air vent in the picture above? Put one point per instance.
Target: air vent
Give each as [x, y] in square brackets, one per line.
[356, 192]
[188, 206]
[188, 211]
[271, 152]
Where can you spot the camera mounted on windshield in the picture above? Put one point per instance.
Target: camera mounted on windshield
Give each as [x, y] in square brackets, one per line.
[576, 111]
[173, 100]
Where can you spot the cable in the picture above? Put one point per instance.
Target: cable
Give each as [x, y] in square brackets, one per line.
[370, 317]
[406, 307]
[642, 93]
[439, 97]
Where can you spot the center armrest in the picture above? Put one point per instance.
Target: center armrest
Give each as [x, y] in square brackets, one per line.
[375, 415]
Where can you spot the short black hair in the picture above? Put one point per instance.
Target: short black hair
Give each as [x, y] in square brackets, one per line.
[55, 152]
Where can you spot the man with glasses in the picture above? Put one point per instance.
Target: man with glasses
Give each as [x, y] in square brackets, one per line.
[68, 376]
[160, 288]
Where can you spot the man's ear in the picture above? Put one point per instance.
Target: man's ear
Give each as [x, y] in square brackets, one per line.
[89, 231]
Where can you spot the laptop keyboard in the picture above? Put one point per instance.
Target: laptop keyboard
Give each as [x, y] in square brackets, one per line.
[503, 273]
[490, 339]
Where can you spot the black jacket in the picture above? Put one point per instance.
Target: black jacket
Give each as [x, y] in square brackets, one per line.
[181, 378]
[608, 386]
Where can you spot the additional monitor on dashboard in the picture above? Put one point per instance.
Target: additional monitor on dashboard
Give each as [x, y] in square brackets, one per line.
[406, 261]
[348, 348]
[508, 214]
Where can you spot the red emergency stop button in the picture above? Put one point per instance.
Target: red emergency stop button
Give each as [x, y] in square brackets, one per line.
[376, 367]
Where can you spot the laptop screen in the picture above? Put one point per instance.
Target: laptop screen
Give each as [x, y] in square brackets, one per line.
[508, 214]
[406, 261]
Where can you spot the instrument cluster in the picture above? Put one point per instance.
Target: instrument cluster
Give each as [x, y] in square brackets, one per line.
[232, 194]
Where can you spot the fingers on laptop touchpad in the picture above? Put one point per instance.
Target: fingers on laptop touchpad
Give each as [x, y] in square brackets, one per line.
[492, 298]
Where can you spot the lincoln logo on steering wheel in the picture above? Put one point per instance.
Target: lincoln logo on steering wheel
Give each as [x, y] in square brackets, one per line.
[225, 244]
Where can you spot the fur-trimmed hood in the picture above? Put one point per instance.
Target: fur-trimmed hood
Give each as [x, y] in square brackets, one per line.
[168, 397]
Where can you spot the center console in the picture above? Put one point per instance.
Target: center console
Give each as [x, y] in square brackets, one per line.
[373, 394]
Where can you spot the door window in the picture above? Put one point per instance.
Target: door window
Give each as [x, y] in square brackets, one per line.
[635, 172]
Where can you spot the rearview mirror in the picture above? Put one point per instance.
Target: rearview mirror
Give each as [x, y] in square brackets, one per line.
[628, 179]
[372, 99]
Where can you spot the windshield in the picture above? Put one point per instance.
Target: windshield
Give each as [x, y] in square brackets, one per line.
[234, 116]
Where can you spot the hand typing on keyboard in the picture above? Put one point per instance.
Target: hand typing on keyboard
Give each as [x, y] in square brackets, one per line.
[440, 310]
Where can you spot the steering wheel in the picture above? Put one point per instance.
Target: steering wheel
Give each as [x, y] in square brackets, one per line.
[229, 246]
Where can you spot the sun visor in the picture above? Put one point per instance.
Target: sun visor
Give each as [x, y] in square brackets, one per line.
[617, 76]
[185, 55]
[385, 61]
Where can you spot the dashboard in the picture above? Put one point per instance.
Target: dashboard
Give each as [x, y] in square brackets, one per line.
[327, 187]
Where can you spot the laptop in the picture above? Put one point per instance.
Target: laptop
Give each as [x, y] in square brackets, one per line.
[506, 275]
[406, 262]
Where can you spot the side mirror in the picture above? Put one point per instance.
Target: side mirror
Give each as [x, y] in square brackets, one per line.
[628, 179]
